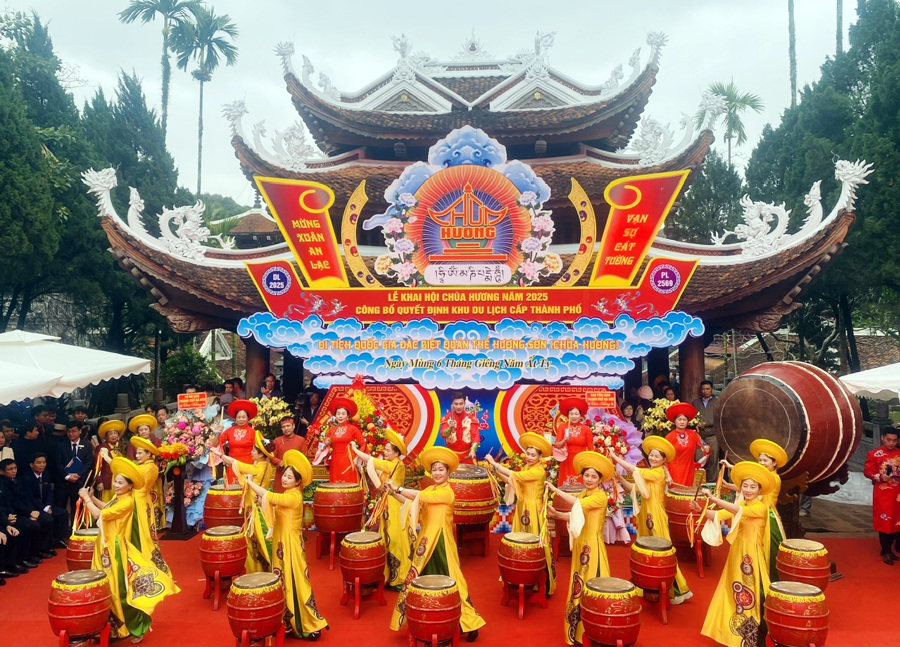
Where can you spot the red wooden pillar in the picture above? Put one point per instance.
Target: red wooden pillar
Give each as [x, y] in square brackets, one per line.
[257, 365]
[691, 367]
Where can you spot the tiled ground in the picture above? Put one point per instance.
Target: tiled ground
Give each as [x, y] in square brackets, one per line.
[831, 519]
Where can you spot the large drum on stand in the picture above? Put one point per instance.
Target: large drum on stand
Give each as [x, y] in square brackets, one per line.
[796, 615]
[610, 612]
[79, 606]
[80, 548]
[433, 609]
[222, 506]
[256, 607]
[805, 561]
[521, 559]
[799, 406]
[476, 501]
[363, 558]
[338, 507]
[678, 508]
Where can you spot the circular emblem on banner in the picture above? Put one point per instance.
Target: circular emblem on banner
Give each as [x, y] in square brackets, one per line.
[276, 281]
[665, 279]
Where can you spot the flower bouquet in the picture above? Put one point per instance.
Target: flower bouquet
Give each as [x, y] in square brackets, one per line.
[655, 422]
[192, 489]
[609, 437]
[190, 430]
[270, 413]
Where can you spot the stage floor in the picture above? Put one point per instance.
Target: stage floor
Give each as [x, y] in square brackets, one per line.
[861, 603]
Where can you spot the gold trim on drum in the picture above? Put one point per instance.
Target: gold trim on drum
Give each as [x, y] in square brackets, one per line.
[581, 202]
[100, 579]
[645, 545]
[521, 538]
[803, 548]
[209, 537]
[257, 583]
[433, 584]
[795, 592]
[85, 534]
[476, 504]
[609, 588]
[219, 490]
[338, 487]
[356, 264]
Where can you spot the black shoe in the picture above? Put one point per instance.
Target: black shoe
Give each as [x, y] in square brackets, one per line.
[472, 636]
[21, 569]
[314, 636]
[29, 563]
[2, 582]
[888, 559]
[8, 574]
[47, 554]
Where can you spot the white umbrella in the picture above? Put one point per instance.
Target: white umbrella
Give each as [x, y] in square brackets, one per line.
[881, 383]
[20, 382]
[76, 367]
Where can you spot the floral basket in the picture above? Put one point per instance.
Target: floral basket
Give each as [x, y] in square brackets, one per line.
[270, 413]
[655, 422]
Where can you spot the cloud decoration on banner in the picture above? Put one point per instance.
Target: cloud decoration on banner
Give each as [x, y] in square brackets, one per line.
[470, 353]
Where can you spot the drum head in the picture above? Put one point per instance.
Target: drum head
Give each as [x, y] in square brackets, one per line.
[363, 537]
[610, 585]
[91, 533]
[659, 544]
[433, 582]
[572, 488]
[80, 578]
[255, 580]
[328, 485]
[682, 490]
[796, 588]
[222, 489]
[802, 545]
[222, 531]
[469, 472]
[521, 537]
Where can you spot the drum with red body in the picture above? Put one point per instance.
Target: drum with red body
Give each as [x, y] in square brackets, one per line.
[338, 507]
[223, 549]
[222, 506]
[678, 508]
[521, 559]
[796, 614]
[653, 563]
[433, 608]
[476, 500]
[802, 560]
[610, 611]
[573, 488]
[80, 548]
[256, 605]
[363, 556]
[79, 604]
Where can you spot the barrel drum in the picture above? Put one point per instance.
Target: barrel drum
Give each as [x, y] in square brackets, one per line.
[678, 509]
[610, 612]
[338, 507]
[79, 605]
[521, 559]
[222, 506]
[256, 607]
[801, 407]
[476, 500]
[80, 548]
[224, 550]
[802, 560]
[796, 615]
[653, 563]
[363, 556]
[561, 505]
[433, 608]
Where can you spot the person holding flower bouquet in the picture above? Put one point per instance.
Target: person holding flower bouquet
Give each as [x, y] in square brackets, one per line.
[110, 432]
[261, 470]
[339, 437]
[527, 486]
[685, 441]
[143, 426]
[148, 501]
[137, 585]
[381, 471]
[284, 514]
[240, 437]
[648, 495]
[572, 437]
[585, 521]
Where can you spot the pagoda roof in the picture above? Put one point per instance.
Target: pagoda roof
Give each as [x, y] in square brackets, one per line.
[519, 100]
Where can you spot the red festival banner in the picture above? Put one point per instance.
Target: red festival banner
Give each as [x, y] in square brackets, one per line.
[638, 207]
[301, 210]
[278, 285]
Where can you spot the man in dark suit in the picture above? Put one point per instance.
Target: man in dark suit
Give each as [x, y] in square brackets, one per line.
[27, 445]
[26, 551]
[705, 406]
[74, 460]
[41, 524]
[38, 489]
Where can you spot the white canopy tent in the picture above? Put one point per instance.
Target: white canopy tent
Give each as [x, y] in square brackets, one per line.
[35, 365]
[882, 383]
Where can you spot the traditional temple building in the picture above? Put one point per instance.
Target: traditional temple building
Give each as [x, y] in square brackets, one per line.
[559, 126]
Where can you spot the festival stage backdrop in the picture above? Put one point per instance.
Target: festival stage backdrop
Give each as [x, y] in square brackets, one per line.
[468, 293]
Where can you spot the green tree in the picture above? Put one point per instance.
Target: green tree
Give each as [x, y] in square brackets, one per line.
[709, 205]
[187, 366]
[205, 42]
[736, 103]
[172, 13]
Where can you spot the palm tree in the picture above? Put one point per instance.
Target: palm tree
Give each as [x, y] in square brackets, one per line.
[736, 103]
[792, 52]
[205, 42]
[172, 12]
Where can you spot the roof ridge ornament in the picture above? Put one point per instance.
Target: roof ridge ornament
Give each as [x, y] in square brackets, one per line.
[233, 113]
[472, 50]
[285, 51]
[711, 106]
[656, 40]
